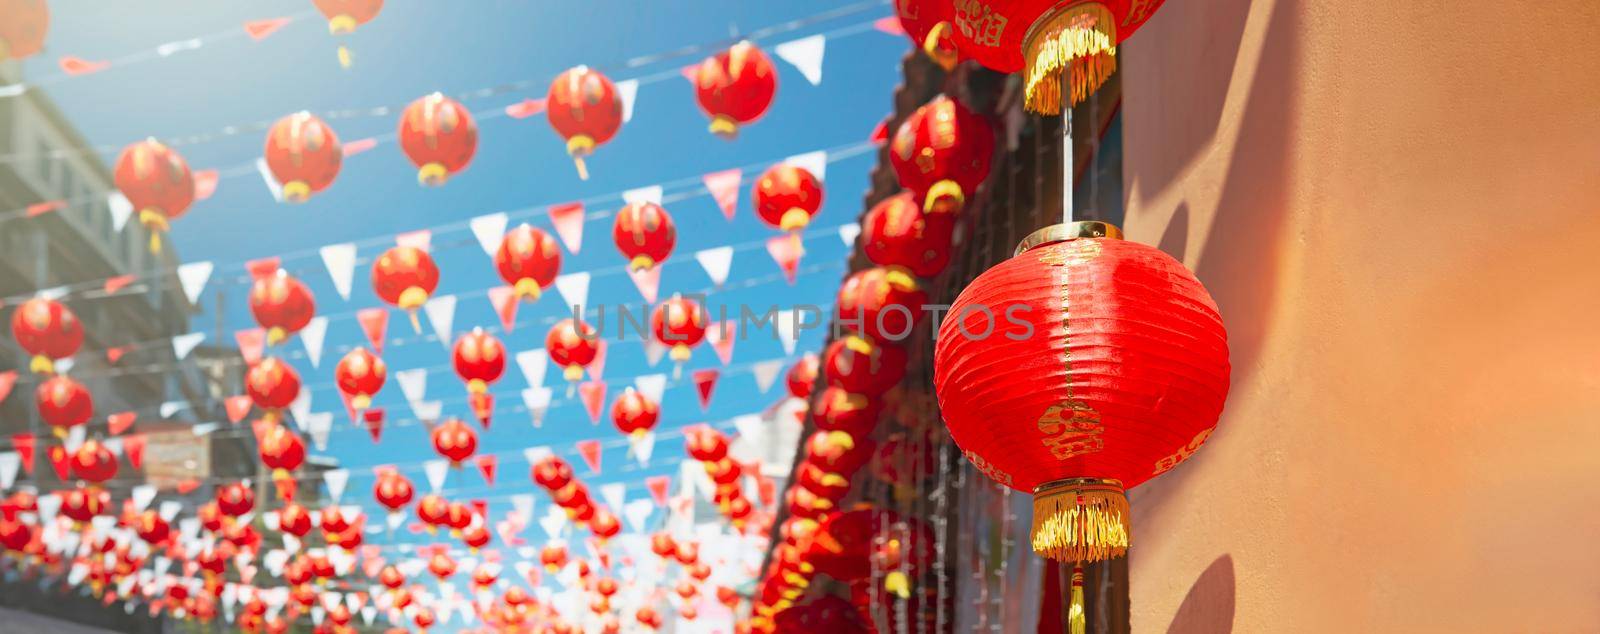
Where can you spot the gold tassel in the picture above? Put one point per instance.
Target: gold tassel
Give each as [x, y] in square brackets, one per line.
[1080, 41]
[1082, 519]
[1077, 623]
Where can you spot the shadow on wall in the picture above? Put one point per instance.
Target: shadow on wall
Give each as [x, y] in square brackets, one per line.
[1208, 608]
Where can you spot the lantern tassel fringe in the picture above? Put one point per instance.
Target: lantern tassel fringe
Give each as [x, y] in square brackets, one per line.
[1080, 520]
[1080, 41]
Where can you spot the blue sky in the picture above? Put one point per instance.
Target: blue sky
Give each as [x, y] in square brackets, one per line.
[521, 166]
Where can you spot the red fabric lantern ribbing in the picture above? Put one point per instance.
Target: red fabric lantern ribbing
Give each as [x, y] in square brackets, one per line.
[1119, 375]
[282, 304]
[393, 491]
[360, 375]
[572, 345]
[897, 232]
[645, 234]
[439, 136]
[942, 153]
[584, 108]
[157, 183]
[680, 325]
[455, 441]
[23, 31]
[529, 260]
[882, 303]
[63, 403]
[787, 197]
[304, 154]
[93, 462]
[927, 23]
[48, 330]
[345, 15]
[858, 365]
[802, 376]
[1046, 38]
[735, 87]
[634, 414]
[272, 384]
[405, 277]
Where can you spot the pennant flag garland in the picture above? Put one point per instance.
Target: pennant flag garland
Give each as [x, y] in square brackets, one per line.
[374, 323]
[59, 460]
[112, 285]
[568, 221]
[890, 25]
[340, 259]
[442, 315]
[120, 422]
[267, 178]
[638, 514]
[848, 234]
[627, 93]
[113, 355]
[9, 462]
[805, 54]
[142, 496]
[76, 66]
[640, 195]
[593, 395]
[504, 300]
[23, 444]
[648, 282]
[786, 250]
[336, 479]
[651, 386]
[41, 208]
[489, 229]
[486, 464]
[590, 451]
[598, 365]
[574, 289]
[525, 108]
[252, 344]
[261, 29]
[436, 470]
[706, 382]
[192, 277]
[785, 325]
[724, 188]
[717, 262]
[721, 335]
[537, 400]
[642, 447]
[413, 384]
[815, 162]
[880, 133]
[534, 364]
[374, 420]
[766, 372]
[263, 267]
[318, 425]
[615, 494]
[658, 486]
[653, 351]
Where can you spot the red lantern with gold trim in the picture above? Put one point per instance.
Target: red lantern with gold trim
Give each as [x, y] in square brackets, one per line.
[442, 566]
[405, 277]
[927, 23]
[883, 303]
[584, 108]
[282, 304]
[432, 509]
[455, 441]
[704, 443]
[680, 325]
[63, 404]
[604, 524]
[839, 452]
[294, 519]
[802, 376]
[479, 359]
[157, 183]
[303, 154]
[1124, 376]
[634, 414]
[897, 232]
[941, 153]
[787, 196]
[93, 462]
[48, 330]
[23, 31]
[272, 385]
[393, 491]
[645, 234]
[282, 452]
[572, 345]
[83, 504]
[529, 260]
[235, 499]
[475, 536]
[439, 136]
[735, 87]
[858, 365]
[552, 473]
[360, 375]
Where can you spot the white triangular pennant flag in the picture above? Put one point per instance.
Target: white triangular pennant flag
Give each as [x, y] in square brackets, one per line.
[74, 439]
[615, 494]
[169, 408]
[182, 345]
[341, 262]
[336, 479]
[574, 289]
[643, 446]
[848, 233]
[814, 162]
[9, 462]
[121, 210]
[319, 425]
[653, 351]
[169, 509]
[553, 521]
[300, 408]
[427, 410]
[522, 507]
[786, 327]
[651, 194]
[806, 55]
[368, 613]
[192, 277]
[766, 372]
[628, 93]
[638, 512]
[442, 315]
[534, 364]
[534, 454]
[537, 400]
[489, 229]
[413, 384]
[436, 470]
[716, 262]
[142, 495]
[203, 429]
[312, 337]
[271, 181]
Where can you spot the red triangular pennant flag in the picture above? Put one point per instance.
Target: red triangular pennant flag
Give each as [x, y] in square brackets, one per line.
[482, 404]
[121, 421]
[59, 460]
[590, 450]
[486, 464]
[724, 188]
[504, 300]
[8, 380]
[658, 486]
[114, 355]
[374, 322]
[706, 382]
[133, 449]
[261, 426]
[41, 208]
[374, 419]
[481, 507]
[648, 281]
[786, 251]
[880, 133]
[118, 283]
[597, 367]
[205, 184]
[525, 108]
[259, 29]
[238, 407]
[23, 443]
[691, 73]
[252, 343]
[263, 267]
[187, 486]
[722, 343]
[352, 148]
[889, 24]
[79, 66]
[593, 395]
[568, 221]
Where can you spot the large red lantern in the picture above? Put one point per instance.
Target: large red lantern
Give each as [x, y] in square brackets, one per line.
[927, 23]
[680, 325]
[272, 385]
[529, 260]
[787, 196]
[405, 277]
[572, 345]
[393, 491]
[282, 304]
[634, 413]
[585, 109]
[882, 303]
[604, 525]
[1118, 374]
[63, 404]
[157, 182]
[438, 134]
[93, 462]
[1046, 39]
[645, 234]
[941, 153]
[454, 440]
[860, 366]
[48, 330]
[22, 32]
[345, 15]
[735, 87]
[360, 375]
[304, 154]
[898, 232]
[442, 566]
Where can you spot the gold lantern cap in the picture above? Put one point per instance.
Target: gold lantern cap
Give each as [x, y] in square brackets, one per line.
[1069, 231]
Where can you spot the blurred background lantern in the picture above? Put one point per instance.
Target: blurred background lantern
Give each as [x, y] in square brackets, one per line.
[645, 234]
[47, 330]
[735, 87]
[93, 462]
[405, 277]
[439, 136]
[584, 108]
[941, 153]
[927, 23]
[634, 414]
[679, 324]
[157, 183]
[303, 154]
[282, 304]
[883, 303]
[359, 376]
[529, 260]
[63, 404]
[455, 441]
[787, 196]
[23, 31]
[572, 345]
[860, 366]
[802, 376]
[479, 359]
[272, 385]
[898, 232]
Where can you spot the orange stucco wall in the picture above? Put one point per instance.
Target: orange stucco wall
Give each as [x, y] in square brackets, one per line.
[1397, 207]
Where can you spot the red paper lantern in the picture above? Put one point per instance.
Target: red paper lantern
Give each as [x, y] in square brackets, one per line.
[735, 87]
[458, 516]
[529, 260]
[1119, 375]
[439, 136]
[604, 525]
[281, 304]
[294, 519]
[405, 277]
[787, 197]
[645, 235]
[391, 578]
[93, 462]
[554, 557]
[345, 15]
[648, 617]
[475, 537]
[802, 376]
[151, 528]
[941, 153]
[63, 403]
[83, 504]
[431, 510]
[47, 330]
[552, 473]
[705, 444]
[572, 345]
[157, 183]
[15, 535]
[479, 359]
[442, 566]
[927, 23]
[304, 154]
[634, 414]
[1046, 38]
[423, 618]
[585, 109]
[680, 325]
[822, 483]
[235, 499]
[897, 232]
[23, 31]
[454, 440]
[393, 491]
[282, 451]
[360, 375]
[858, 365]
[882, 303]
[333, 520]
[838, 452]
[272, 384]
